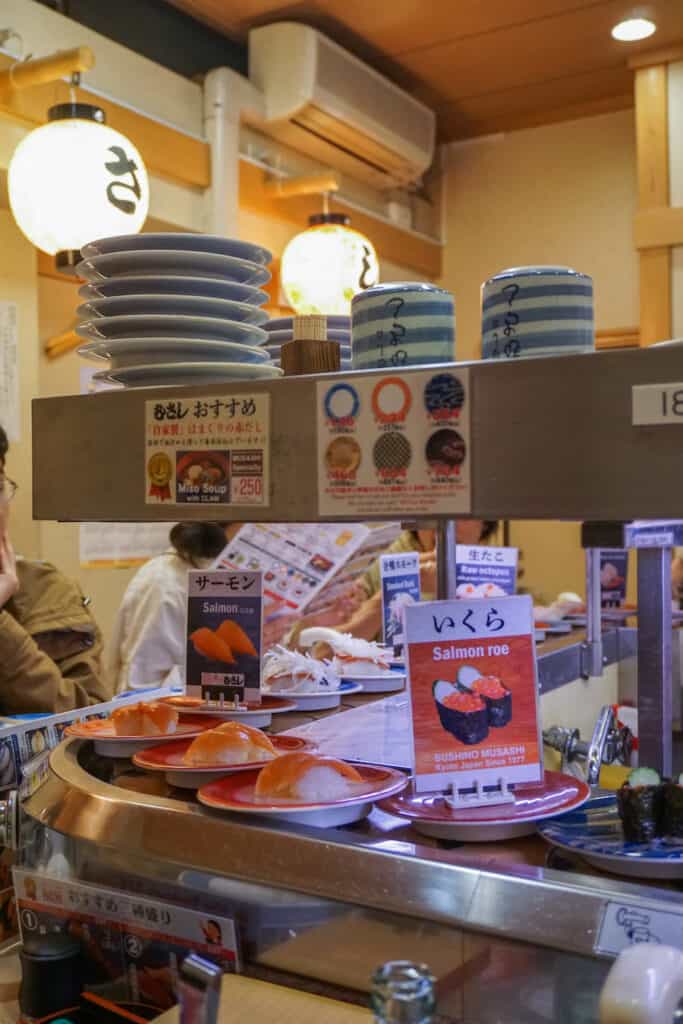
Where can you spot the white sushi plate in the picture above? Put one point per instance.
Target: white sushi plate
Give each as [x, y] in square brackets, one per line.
[320, 700]
[144, 351]
[173, 285]
[172, 261]
[207, 328]
[236, 794]
[185, 241]
[178, 305]
[186, 373]
[387, 682]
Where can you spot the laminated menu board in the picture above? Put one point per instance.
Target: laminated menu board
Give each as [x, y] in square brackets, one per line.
[307, 567]
[485, 571]
[394, 444]
[297, 559]
[400, 581]
[224, 635]
[380, 536]
[209, 450]
[132, 946]
[473, 693]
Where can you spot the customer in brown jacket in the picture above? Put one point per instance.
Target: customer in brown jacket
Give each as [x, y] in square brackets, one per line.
[50, 645]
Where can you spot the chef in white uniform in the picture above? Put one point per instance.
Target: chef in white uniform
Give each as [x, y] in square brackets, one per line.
[148, 638]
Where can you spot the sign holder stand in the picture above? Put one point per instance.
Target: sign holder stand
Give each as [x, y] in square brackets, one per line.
[464, 799]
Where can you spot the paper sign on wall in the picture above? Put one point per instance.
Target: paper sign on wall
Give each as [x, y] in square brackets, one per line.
[10, 411]
[400, 576]
[613, 577]
[224, 635]
[473, 693]
[212, 450]
[121, 545]
[394, 445]
[483, 571]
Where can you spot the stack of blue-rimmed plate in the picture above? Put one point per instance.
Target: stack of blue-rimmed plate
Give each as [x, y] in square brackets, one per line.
[175, 309]
[281, 330]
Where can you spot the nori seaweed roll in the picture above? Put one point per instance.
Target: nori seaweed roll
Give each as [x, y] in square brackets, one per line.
[640, 803]
[672, 811]
[497, 698]
[465, 716]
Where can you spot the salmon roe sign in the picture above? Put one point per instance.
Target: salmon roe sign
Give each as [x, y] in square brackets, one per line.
[473, 693]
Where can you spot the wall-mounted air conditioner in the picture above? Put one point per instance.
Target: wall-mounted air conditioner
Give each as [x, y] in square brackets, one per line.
[323, 101]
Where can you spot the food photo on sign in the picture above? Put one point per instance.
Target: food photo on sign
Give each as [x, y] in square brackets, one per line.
[485, 571]
[400, 579]
[473, 692]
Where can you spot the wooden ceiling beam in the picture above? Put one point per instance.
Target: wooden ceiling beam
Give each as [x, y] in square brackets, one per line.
[667, 55]
[652, 152]
[519, 120]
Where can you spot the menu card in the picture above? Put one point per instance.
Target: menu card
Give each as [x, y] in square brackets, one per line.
[224, 635]
[297, 560]
[400, 576]
[473, 693]
[483, 571]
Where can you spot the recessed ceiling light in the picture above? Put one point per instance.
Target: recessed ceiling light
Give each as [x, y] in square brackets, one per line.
[632, 29]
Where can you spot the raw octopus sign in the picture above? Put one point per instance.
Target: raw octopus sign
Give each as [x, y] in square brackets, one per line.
[473, 693]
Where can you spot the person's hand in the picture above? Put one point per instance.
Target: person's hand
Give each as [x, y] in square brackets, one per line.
[349, 600]
[9, 581]
[428, 572]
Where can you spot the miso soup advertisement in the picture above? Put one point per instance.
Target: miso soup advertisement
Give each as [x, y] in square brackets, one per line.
[473, 692]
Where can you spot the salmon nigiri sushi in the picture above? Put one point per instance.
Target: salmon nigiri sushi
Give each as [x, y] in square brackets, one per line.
[211, 646]
[235, 637]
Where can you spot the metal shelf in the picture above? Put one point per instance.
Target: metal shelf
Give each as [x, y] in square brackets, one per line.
[550, 439]
[375, 867]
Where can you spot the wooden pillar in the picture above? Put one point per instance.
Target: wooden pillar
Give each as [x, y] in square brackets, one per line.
[652, 147]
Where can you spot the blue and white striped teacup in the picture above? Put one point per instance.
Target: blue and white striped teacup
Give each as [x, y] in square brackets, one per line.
[537, 311]
[402, 324]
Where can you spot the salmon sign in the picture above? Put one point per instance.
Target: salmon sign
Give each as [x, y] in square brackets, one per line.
[473, 693]
[224, 635]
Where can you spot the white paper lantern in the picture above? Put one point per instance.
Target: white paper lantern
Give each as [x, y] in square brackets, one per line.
[76, 179]
[326, 265]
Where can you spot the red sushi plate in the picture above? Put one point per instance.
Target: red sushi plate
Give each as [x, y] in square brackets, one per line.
[169, 756]
[103, 729]
[557, 794]
[236, 792]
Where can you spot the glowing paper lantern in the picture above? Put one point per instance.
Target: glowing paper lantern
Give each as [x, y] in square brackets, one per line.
[76, 179]
[326, 265]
